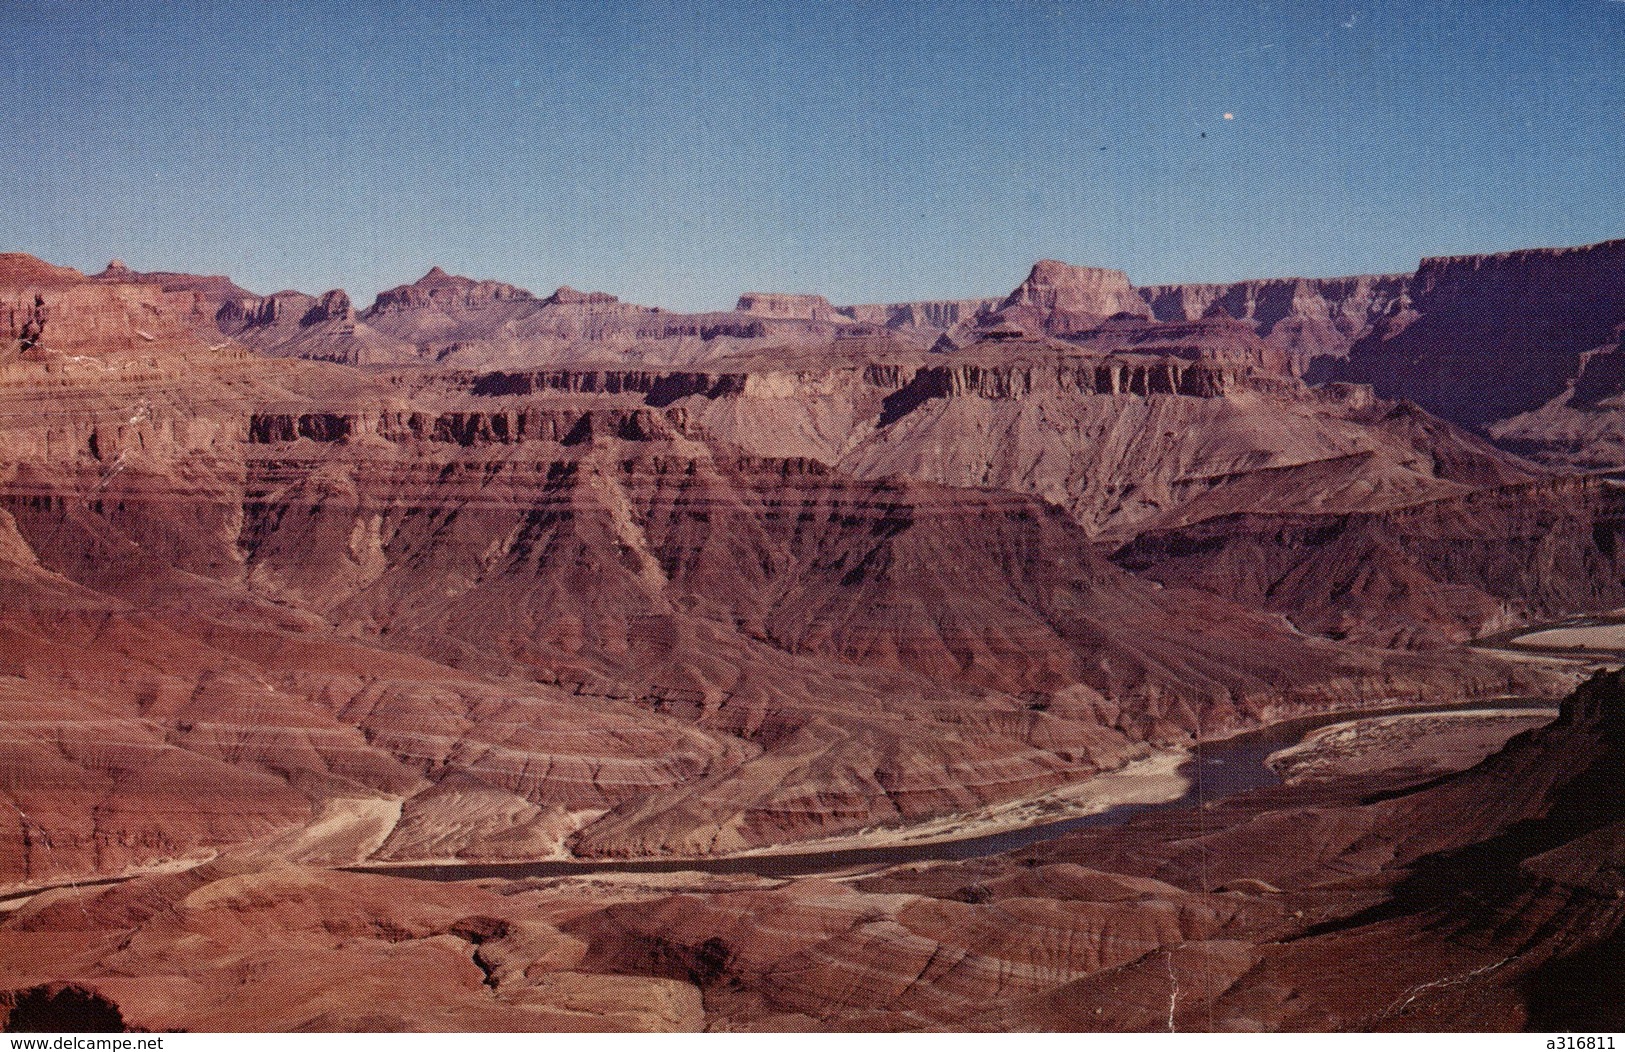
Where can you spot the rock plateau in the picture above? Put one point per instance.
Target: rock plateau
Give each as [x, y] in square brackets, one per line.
[297, 589]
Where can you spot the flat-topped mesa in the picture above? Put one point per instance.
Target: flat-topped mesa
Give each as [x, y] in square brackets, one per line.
[1446, 335]
[439, 289]
[1579, 277]
[46, 309]
[215, 288]
[565, 296]
[800, 306]
[1060, 297]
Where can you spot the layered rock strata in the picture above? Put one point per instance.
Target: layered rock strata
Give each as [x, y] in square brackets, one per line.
[1472, 901]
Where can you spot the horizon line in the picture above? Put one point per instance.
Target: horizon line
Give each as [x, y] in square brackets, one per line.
[762, 291]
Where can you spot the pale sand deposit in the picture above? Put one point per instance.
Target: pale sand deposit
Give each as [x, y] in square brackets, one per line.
[1425, 743]
[1583, 637]
[346, 831]
[1152, 780]
[1577, 667]
[19, 895]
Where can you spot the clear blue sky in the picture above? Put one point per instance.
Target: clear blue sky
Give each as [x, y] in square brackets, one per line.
[679, 153]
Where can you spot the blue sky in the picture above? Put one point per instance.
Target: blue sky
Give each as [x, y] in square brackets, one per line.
[678, 154]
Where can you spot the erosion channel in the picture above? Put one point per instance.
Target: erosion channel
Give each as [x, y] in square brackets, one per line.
[1215, 770]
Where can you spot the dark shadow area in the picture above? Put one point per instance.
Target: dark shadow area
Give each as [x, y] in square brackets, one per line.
[63, 1008]
[926, 385]
[1583, 991]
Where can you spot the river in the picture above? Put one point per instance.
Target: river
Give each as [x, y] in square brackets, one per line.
[1215, 770]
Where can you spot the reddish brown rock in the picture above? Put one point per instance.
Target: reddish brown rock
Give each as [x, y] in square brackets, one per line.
[768, 646]
[1432, 574]
[330, 951]
[216, 289]
[1460, 903]
[48, 312]
[1476, 322]
[1060, 297]
[747, 580]
[447, 292]
[790, 305]
[323, 328]
[922, 314]
[1314, 321]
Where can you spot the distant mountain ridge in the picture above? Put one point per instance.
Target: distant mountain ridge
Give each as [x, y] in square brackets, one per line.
[1524, 346]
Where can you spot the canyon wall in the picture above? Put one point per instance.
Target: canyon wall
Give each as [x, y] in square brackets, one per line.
[1489, 337]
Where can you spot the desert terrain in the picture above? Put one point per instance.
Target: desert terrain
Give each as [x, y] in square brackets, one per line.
[1082, 656]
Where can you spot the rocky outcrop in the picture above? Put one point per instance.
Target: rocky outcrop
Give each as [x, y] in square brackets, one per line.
[1015, 381]
[540, 423]
[1128, 441]
[1056, 299]
[1584, 427]
[1060, 297]
[921, 314]
[1216, 339]
[1314, 321]
[324, 328]
[484, 325]
[659, 387]
[445, 291]
[47, 310]
[568, 297]
[1435, 573]
[278, 309]
[216, 289]
[19, 270]
[790, 305]
[25, 323]
[329, 306]
[1489, 337]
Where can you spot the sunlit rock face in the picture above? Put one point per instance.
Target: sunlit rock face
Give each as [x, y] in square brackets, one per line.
[473, 575]
[1467, 902]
